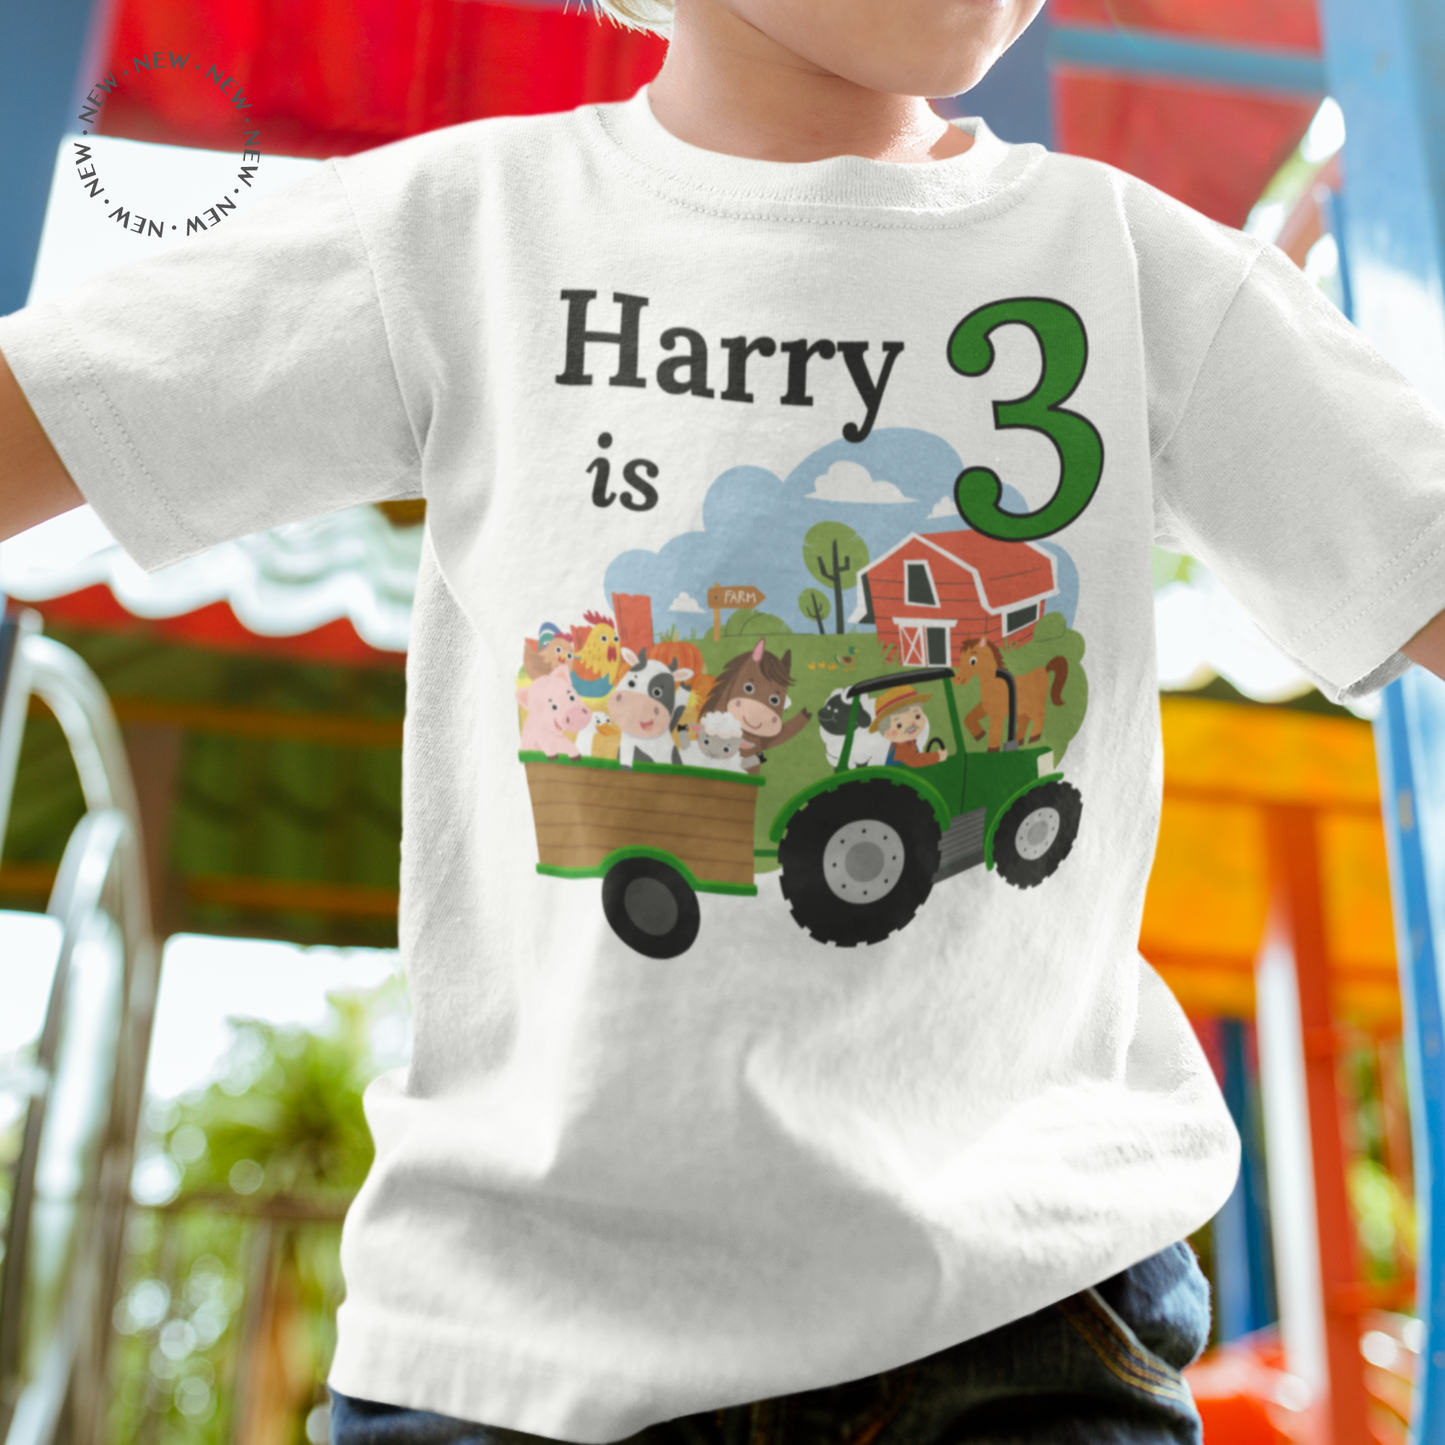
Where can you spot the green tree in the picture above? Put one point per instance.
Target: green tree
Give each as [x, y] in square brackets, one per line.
[834, 553]
[814, 604]
[297, 1116]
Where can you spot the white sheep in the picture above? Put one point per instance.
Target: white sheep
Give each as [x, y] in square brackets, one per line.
[717, 743]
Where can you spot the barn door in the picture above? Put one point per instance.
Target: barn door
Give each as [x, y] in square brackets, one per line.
[912, 639]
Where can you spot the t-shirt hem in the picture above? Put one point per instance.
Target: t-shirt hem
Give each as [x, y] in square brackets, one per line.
[55, 373]
[419, 1365]
[1356, 650]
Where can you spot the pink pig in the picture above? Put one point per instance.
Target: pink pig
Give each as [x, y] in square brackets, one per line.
[553, 711]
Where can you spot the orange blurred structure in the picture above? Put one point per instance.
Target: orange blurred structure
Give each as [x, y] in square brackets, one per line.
[1271, 836]
[1227, 771]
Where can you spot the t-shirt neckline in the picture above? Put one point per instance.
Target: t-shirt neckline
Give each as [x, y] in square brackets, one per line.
[989, 166]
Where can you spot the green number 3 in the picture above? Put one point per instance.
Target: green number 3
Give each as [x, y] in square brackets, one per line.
[1064, 352]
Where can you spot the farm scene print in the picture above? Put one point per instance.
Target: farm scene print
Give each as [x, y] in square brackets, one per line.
[834, 676]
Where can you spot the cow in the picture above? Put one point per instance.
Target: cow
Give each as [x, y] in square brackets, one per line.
[646, 705]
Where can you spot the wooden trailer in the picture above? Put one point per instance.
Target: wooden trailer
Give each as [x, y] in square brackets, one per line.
[655, 834]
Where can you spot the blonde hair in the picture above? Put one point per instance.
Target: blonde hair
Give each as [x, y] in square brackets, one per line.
[637, 14]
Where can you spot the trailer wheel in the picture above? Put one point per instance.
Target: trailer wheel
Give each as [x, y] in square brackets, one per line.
[1036, 834]
[858, 862]
[651, 907]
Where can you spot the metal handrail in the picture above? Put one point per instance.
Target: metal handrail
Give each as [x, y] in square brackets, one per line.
[101, 878]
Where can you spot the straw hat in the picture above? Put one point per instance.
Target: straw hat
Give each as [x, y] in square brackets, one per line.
[894, 699]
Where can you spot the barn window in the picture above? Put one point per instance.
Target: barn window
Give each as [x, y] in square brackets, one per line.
[918, 584]
[1021, 618]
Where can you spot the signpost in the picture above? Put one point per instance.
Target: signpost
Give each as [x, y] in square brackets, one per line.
[719, 598]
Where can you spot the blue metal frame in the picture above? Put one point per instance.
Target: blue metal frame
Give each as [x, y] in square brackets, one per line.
[1243, 1258]
[1014, 98]
[1410, 742]
[1382, 60]
[46, 45]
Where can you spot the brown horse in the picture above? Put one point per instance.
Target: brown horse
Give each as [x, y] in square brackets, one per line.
[753, 688]
[981, 659]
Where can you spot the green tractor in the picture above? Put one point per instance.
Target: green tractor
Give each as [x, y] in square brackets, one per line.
[860, 850]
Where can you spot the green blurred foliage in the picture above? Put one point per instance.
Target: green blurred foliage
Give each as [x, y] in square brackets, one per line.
[286, 1113]
[284, 1117]
[1384, 1218]
[1170, 567]
[1379, 1185]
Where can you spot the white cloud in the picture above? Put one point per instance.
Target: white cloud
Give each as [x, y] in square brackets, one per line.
[945, 506]
[684, 603]
[850, 482]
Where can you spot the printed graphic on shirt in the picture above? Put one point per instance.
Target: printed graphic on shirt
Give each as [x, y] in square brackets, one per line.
[833, 677]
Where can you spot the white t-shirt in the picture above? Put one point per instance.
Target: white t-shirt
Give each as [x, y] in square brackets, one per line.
[811, 1048]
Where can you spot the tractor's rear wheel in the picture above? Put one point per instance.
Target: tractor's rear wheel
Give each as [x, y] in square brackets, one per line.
[858, 862]
[651, 907]
[1037, 833]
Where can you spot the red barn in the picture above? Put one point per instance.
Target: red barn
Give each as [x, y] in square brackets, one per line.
[934, 592]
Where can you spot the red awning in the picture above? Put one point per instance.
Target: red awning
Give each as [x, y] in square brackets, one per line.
[216, 628]
[331, 77]
[1211, 146]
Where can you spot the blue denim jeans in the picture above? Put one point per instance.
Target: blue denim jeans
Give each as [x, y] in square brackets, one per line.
[1099, 1368]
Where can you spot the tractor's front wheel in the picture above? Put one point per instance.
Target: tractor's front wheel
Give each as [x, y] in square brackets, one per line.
[651, 907]
[1036, 834]
[858, 862]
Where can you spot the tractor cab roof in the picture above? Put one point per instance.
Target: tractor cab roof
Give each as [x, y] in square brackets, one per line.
[912, 677]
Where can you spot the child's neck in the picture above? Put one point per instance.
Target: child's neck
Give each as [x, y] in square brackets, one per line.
[726, 86]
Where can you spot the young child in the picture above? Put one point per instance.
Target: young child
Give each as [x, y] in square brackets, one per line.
[616, 1190]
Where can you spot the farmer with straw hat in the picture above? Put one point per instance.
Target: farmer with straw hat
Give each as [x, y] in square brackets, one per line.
[901, 720]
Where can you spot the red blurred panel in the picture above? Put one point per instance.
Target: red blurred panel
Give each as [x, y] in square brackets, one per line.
[217, 629]
[1290, 23]
[1237, 1395]
[330, 77]
[1214, 150]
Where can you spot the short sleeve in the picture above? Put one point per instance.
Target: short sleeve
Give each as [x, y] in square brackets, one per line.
[1311, 477]
[241, 380]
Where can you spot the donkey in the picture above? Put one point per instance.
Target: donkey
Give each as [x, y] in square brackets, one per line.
[753, 688]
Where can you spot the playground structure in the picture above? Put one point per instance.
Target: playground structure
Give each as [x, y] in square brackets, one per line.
[64, 1227]
[1269, 815]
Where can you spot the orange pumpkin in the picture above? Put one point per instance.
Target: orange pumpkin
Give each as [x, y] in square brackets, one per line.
[680, 654]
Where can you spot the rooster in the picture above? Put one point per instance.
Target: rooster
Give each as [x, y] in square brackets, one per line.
[551, 650]
[598, 663]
